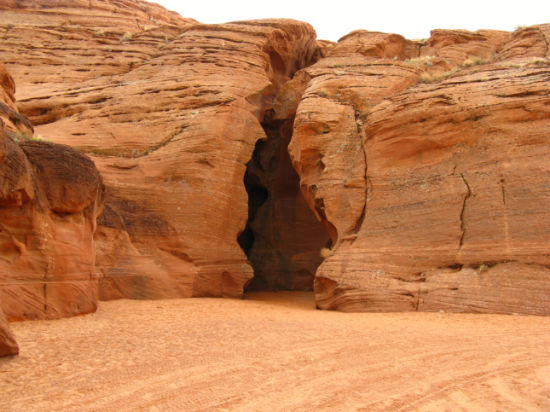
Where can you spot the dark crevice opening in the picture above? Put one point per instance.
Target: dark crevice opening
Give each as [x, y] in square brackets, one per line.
[282, 238]
[257, 196]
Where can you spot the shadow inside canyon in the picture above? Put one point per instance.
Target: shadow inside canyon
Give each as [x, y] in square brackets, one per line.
[282, 238]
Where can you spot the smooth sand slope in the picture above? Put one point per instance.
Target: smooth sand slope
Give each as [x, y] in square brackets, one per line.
[275, 352]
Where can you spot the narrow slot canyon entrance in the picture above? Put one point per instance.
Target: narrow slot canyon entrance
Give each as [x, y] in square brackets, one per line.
[282, 238]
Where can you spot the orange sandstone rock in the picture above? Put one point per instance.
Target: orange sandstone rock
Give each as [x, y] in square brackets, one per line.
[457, 46]
[455, 213]
[48, 212]
[8, 345]
[372, 44]
[50, 197]
[171, 121]
[527, 42]
[425, 161]
[327, 144]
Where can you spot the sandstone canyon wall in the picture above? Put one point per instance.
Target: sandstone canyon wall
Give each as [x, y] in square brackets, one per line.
[50, 198]
[419, 168]
[449, 207]
[170, 111]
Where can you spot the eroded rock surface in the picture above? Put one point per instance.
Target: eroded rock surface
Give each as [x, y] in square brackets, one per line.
[454, 192]
[50, 197]
[171, 134]
[425, 162]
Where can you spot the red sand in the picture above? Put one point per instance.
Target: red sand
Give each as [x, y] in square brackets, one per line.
[274, 351]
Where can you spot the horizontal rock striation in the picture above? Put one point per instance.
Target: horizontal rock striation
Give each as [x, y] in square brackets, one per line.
[452, 210]
[424, 161]
[50, 198]
[171, 134]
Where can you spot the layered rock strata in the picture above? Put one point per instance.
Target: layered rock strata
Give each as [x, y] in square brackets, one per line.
[50, 198]
[172, 135]
[423, 161]
[433, 183]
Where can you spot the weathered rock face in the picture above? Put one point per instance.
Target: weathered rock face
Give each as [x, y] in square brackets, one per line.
[172, 135]
[47, 44]
[527, 42]
[419, 166]
[12, 121]
[50, 197]
[454, 47]
[327, 145]
[455, 177]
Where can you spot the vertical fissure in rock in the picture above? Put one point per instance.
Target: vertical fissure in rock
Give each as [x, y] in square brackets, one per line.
[463, 210]
[282, 238]
[359, 120]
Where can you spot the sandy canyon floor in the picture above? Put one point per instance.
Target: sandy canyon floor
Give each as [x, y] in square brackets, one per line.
[274, 351]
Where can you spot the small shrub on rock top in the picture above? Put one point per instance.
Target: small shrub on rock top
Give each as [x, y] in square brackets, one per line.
[326, 252]
[537, 61]
[425, 61]
[474, 61]
[482, 268]
[39, 138]
[426, 78]
[126, 38]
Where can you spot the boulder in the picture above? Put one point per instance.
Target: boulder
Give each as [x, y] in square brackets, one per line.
[50, 198]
